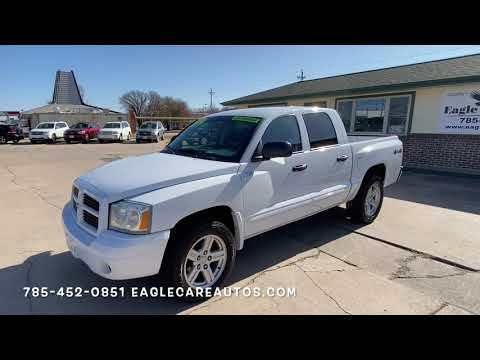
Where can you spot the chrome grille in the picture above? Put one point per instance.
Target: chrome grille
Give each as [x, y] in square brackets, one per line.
[90, 219]
[91, 202]
[88, 211]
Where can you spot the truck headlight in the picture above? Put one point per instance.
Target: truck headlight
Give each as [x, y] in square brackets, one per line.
[130, 217]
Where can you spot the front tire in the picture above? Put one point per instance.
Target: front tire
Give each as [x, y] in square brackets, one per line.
[3, 139]
[201, 256]
[54, 139]
[87, 139]
[366, 205]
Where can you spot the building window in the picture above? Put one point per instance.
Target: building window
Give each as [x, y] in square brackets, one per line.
[320, 130]
[369, 115]
[398, 115]
[344, 109]
[375, 115]
[322, 104]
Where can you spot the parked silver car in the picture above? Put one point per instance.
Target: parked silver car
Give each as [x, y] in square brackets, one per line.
[150, 131]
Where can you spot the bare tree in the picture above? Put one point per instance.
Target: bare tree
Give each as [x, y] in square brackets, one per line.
[135, 100]
[152, 104]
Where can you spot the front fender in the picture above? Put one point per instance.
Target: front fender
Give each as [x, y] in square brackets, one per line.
[173, 203]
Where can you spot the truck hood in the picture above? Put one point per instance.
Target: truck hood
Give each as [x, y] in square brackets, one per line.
[137, 175]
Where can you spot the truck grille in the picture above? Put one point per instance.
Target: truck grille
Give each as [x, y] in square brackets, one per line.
[90, 219]
[144, 133]
[37, 133]
[91, 202]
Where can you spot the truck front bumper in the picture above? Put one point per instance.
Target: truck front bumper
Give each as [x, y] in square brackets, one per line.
[111, 137]
[112, 254]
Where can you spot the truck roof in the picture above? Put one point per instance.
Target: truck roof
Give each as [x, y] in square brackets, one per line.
[268, 112]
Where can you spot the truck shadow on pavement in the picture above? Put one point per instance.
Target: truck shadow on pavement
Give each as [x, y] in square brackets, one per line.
[449, 191]
[55, 271]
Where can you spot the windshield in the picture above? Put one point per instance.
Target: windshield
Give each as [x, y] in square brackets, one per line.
[112, 126]
[220, 138]
[148, 126]
[80, 126]
[45, 126]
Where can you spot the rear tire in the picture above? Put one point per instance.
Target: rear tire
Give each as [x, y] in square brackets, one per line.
[180, 270]
[100, 141]
[366, 205]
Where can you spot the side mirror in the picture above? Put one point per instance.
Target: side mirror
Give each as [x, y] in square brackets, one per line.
[276, 149]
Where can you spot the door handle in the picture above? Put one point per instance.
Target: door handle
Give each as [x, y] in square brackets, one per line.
[342, 158]
[299, 167]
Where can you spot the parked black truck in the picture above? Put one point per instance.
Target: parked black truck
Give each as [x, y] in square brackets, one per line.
[10, 133]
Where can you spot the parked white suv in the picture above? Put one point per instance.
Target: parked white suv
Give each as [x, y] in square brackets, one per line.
[48, 131]
[115, 131]
[225, 179]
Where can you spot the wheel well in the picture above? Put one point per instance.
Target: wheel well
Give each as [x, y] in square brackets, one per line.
[219, 213]
[378, 170]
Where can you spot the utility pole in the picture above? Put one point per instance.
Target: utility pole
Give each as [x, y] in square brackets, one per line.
[211, 98]
[301, 77]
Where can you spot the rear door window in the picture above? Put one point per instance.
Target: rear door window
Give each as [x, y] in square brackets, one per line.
[320, 130]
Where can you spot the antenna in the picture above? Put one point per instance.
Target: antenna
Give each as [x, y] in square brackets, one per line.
[301, 77]
[211, 92]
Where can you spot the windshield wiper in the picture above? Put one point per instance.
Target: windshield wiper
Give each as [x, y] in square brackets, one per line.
[195, 153]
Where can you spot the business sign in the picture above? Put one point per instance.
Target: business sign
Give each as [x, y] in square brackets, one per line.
[460, 112]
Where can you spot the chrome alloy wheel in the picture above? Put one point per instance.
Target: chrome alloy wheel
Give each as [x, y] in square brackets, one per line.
[372, 200]
[205, 261]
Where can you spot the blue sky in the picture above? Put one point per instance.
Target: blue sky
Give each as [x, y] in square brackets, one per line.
[27, 73]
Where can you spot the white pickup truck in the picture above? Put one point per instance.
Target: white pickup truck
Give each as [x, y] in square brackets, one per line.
[186, 211]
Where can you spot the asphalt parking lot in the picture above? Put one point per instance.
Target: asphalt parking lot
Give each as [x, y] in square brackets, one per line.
[421, 256]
